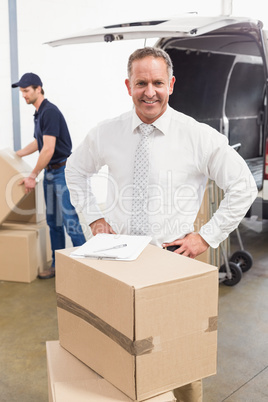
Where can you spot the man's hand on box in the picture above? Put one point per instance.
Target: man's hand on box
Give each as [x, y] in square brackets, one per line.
[29, 183]
[190, 246]
[101, 226]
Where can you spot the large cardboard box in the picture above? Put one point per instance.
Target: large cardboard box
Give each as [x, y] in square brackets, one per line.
[13, 170]
[69, 380]
[44, 254]
[147, 326]
[18, 255]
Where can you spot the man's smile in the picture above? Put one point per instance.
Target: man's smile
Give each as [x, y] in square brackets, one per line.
[149, 102]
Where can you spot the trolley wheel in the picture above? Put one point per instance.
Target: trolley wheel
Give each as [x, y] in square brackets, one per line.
[243, 259]
[236, 274]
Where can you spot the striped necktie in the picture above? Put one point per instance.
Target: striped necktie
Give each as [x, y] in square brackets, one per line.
[139, 217]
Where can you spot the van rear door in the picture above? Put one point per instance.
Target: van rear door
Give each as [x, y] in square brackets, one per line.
[184, 26]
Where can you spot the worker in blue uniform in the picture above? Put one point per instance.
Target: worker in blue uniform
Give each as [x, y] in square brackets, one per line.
[52, 140]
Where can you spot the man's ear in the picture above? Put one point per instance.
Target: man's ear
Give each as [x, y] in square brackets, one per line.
[171, 85]
[128, 86]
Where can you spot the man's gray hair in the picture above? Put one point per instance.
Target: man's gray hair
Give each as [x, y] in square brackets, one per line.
[150, 51]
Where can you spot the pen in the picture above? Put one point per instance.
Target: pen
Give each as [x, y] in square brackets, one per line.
[110, 248]
[97, 257]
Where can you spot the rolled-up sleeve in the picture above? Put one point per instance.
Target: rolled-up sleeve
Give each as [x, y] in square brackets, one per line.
[231, 174]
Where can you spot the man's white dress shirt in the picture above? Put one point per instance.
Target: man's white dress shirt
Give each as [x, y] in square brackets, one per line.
[183, 155]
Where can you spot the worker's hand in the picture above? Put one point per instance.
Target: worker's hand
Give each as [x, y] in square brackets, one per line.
[190, 246]
[19, 153]
[101, 226]
[29, 183]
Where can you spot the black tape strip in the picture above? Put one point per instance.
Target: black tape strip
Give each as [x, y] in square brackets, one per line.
[135, 348]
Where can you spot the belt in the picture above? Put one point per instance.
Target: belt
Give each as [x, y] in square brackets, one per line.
[56, 165]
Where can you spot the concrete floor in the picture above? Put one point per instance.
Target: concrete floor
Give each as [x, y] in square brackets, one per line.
[28, 319]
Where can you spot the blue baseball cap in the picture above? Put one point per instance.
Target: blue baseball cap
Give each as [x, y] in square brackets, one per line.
[27, 80]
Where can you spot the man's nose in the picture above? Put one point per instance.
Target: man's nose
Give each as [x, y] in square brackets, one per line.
[150, 91]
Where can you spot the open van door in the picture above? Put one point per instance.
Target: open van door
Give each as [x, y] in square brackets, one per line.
[220, 64]
[185, 26]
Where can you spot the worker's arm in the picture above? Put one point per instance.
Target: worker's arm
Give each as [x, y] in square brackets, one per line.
[44, 158]
[29, 149]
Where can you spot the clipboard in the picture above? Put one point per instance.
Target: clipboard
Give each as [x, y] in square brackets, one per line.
[106, 246]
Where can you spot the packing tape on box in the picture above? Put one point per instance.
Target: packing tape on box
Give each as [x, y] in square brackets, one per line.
[135, 348]
[212, 324]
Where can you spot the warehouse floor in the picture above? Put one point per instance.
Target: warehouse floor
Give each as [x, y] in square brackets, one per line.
[28, 319]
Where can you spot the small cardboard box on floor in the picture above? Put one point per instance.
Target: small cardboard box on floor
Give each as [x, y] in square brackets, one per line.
[18, 255]
[42, 243]
[70, 380]
[147, 326]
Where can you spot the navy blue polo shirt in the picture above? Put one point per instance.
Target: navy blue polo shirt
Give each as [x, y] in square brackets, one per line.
[49, 120]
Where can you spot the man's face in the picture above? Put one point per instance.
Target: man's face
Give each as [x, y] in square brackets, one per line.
[150, 87]
[30, 94]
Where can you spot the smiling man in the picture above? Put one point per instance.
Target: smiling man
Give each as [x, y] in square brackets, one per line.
[150, 85]
[159, 161]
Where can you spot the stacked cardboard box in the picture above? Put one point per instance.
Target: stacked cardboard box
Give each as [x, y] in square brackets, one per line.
[42, 240]
[70, 380]
[147, 326]
[24, 240]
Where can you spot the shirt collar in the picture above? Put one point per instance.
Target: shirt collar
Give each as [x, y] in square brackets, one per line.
[40, 107]
[161, 124]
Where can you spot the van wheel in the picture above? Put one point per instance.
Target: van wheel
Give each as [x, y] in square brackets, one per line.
[243, 259]
[236, 274]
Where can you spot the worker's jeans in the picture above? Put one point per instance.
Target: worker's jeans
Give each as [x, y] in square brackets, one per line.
[60, 213]
[190, 392]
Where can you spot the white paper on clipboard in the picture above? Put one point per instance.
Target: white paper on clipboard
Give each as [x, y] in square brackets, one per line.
[112, 247]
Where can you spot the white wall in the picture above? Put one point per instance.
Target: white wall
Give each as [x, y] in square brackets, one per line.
[85, 81]
[6, 136]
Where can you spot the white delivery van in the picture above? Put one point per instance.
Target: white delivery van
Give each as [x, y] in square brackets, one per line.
[220, 64]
